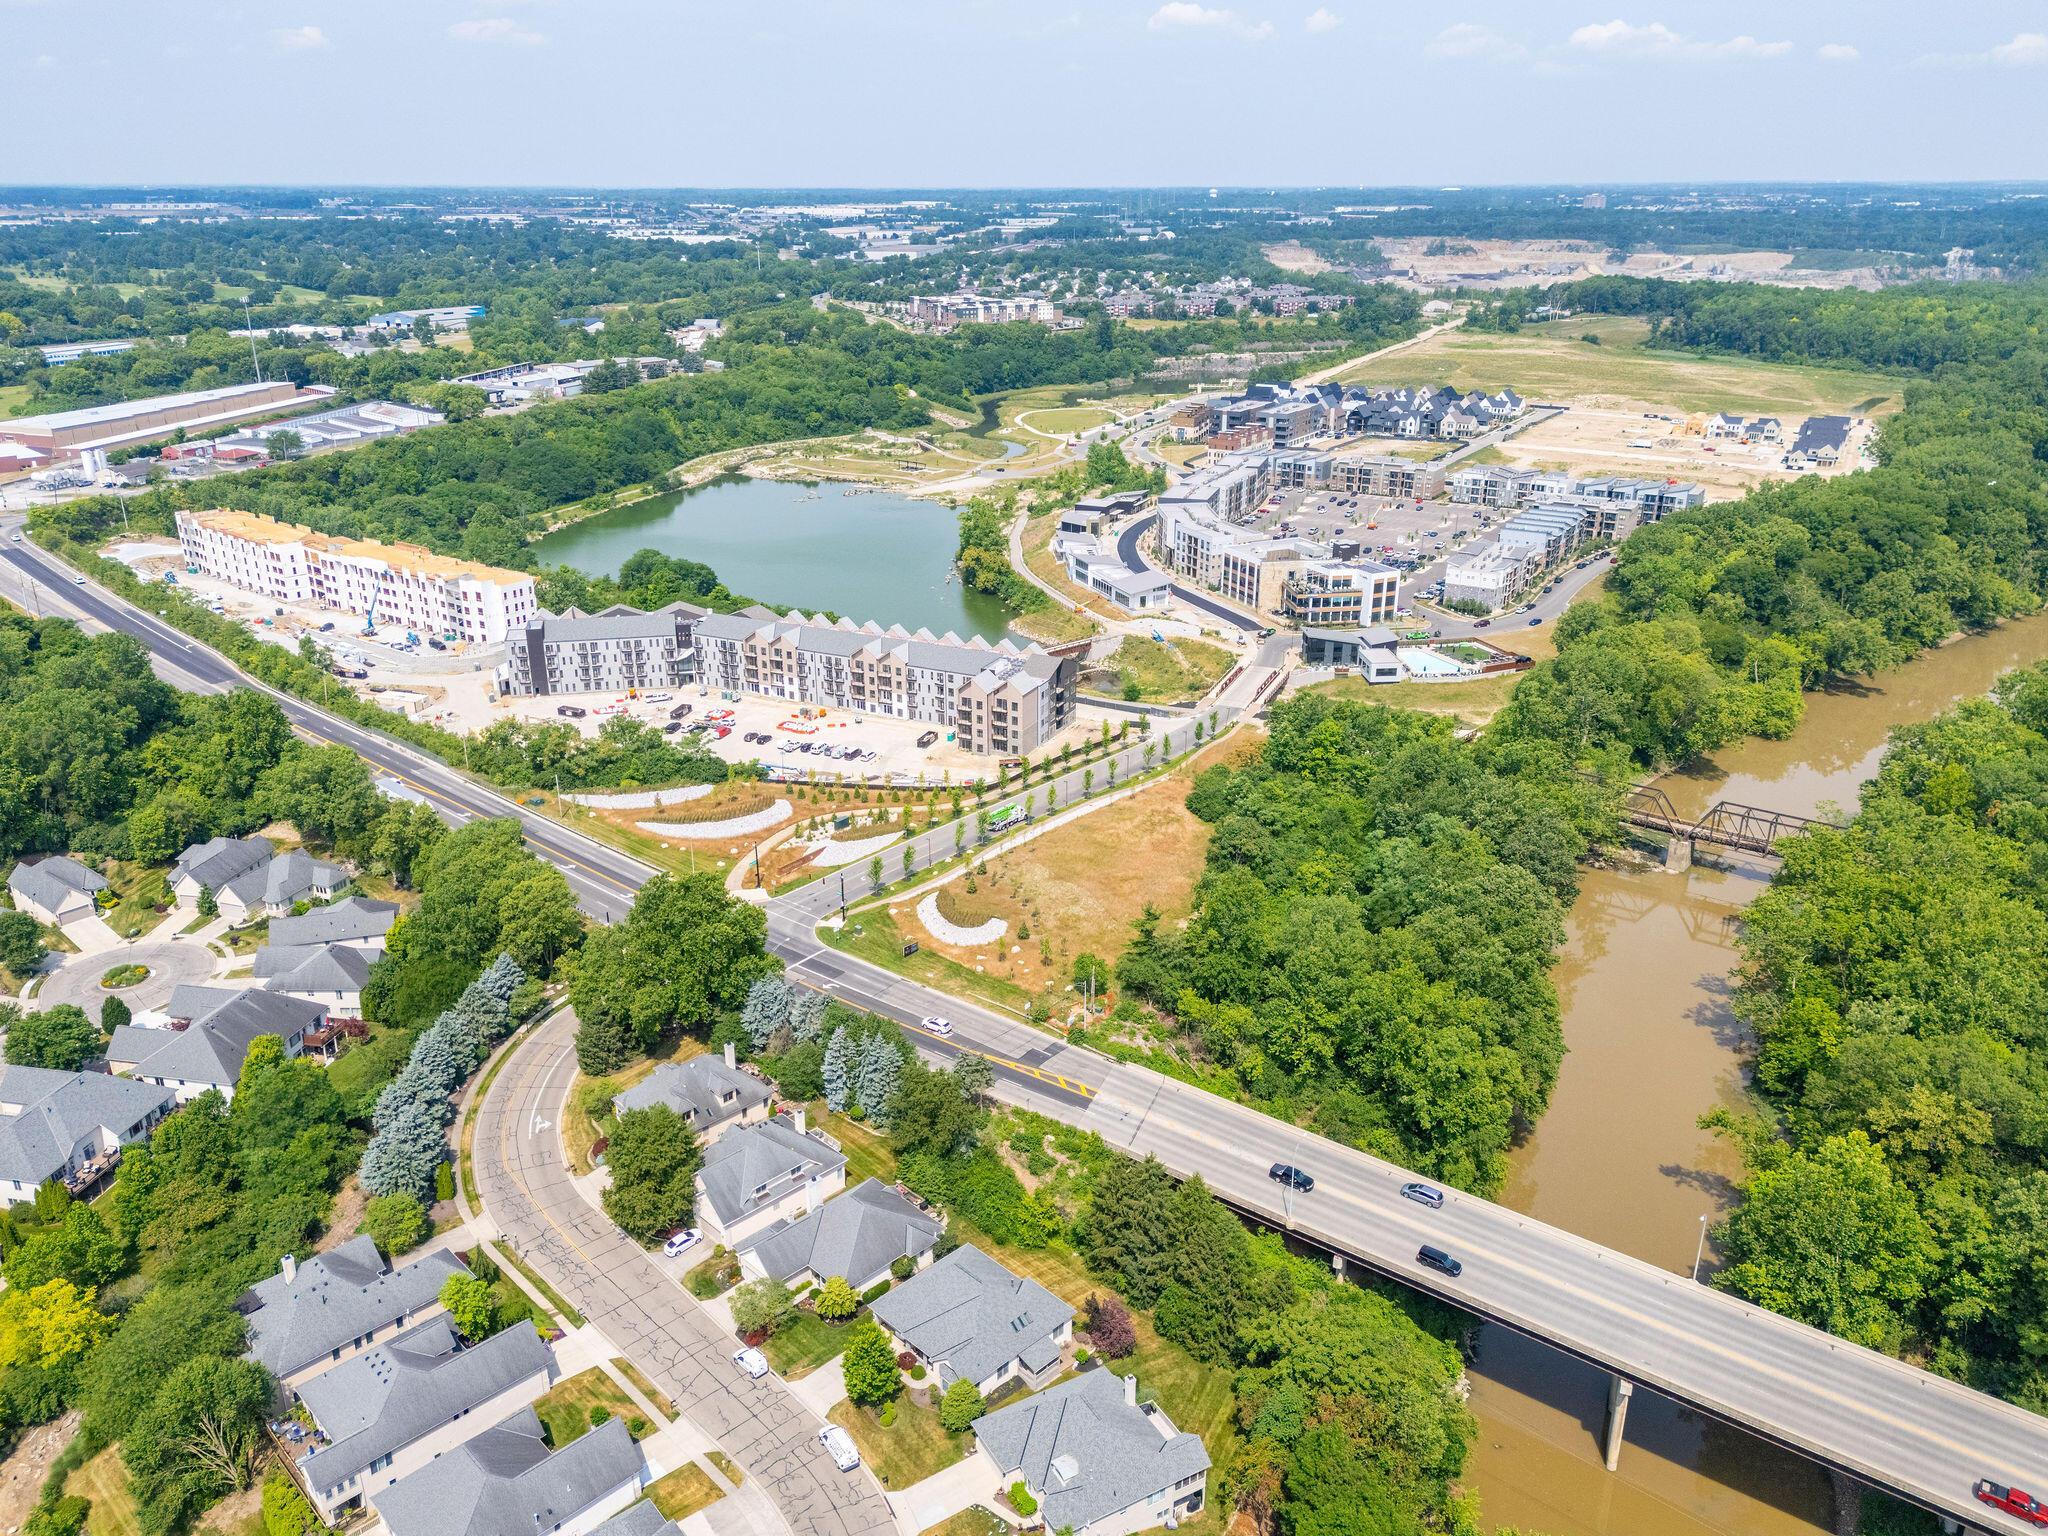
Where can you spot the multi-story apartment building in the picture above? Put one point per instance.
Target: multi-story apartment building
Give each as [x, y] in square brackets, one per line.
[1352, 593]
[402, 585]
[995, 699]
[1386, 475]
[1491, 577]
[1490, 485]
[613, 651]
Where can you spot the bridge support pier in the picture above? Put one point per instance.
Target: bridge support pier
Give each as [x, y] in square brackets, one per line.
[1337, 1265]
[1619, 1390]
[1677, 855]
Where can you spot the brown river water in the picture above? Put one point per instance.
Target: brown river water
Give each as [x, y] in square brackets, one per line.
[1645, 983]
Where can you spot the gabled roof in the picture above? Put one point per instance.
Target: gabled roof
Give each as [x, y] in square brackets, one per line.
[218, 860]
[213, 1046]
[49, 882]
[44, 1114]
[334, 1298]
[313, 968]
[971, 1313]
[353, 917]
[752, 1165]
[504, 1482]
[385, 1398]
[863, 1231]
[703, 1090]
[1086, 1450]
[641, 1519]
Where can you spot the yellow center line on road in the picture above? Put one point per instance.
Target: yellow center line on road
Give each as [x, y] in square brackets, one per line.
[1804, 1385]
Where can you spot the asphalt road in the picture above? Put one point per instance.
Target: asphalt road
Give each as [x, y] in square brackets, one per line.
[1883, 1421]
[645, 1314]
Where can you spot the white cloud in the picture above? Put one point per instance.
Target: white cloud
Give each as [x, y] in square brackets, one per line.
[1839, 53]
[1323, 19]
[2027, 50]
[299, 39]
[1623, 39]
[46, 61]
[1186, 16]
[1468, 40]
[495, 29]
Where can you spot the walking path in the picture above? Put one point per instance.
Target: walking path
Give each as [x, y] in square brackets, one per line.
[732, 826]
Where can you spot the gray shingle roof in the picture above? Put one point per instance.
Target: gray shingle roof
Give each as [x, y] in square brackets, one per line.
[212, 1047]
[857, 1235]
[353, 917]
[334, 1299]
[218, 860]
[384, 1399]
[970, 1313]
[753, 1165]
[1086, 1451]
[504, 1483]
[698, 1090]
[47, 1113]
[48, 882]
[314, 968]
[641, 1519]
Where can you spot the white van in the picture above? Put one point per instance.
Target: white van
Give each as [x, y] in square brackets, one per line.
[839, 1444]
[752, 1361]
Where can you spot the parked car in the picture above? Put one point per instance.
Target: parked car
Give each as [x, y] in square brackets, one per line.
[679, 711]
[722, 732]
[324, 628]
[752, 1361]
[657, 698]
[1438, 1260]
[437, 642]
[672, 727]
[678, 1240]
[937, 1026]
[571, 711]
[1424, 1194]
[840, 1447]
[1293, 1177]
[2012, 1500]
[927, 738]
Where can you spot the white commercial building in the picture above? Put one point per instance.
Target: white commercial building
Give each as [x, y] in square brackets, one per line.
[1491, 577]
[402, 585]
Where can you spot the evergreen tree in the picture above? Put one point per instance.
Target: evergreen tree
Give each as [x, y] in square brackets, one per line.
[836, 1085]
[766, 1009]
[807, 1015]
[883, 1076]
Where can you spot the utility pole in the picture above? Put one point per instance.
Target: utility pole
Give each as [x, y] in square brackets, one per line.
[254, 361]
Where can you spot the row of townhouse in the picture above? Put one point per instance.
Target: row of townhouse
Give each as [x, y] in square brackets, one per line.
[402, 585]
[1534, 539]
[1292, 414]
[613, 651]
[1358, 474]
[1505, 488]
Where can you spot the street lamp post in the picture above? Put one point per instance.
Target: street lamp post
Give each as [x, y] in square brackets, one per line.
[1700, 1252]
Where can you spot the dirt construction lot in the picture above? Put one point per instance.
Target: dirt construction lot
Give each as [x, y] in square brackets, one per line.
[1650, 443]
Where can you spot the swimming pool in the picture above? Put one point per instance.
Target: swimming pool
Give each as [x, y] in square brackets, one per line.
[1422, 662]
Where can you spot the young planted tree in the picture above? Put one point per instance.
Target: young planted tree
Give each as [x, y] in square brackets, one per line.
[961, 1406]
[872, 1376]
[836, 1300]
[470, 1306]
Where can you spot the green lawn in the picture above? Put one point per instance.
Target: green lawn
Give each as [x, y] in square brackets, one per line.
[104, 1480]
[565, 1410]
[684, 1491]
[1169, 672]
[972, 1521]
[361, 1071]
[868, 1154]
[906, 1452]
[803, 1344]
[727, 1467]
[881, 942]
[648, 1389]
[14, 400]
[139, 890]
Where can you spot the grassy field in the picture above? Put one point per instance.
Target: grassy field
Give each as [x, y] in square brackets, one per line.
[972, 1521]
[140, 889]
[684, 1491]
[1547, 362]
[905, 1452]
[14, 400]
[1169, 672]
[803, 1344]
[880, 940]
[565, 1409]
[105, 1481]
[1065, 422]
[1076, 889]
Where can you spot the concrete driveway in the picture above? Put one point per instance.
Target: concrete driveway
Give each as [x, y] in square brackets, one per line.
[76, 978]
[92, 934]
[944, 1494]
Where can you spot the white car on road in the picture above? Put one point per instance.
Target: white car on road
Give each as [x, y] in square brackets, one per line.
[935, 1025]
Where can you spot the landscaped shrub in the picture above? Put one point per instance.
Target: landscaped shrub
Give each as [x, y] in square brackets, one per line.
[1021, 1500]
[903, 1268]
[875, 1292]
[599, 1415]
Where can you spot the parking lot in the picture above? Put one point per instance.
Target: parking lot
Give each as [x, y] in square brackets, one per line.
[1397, 531]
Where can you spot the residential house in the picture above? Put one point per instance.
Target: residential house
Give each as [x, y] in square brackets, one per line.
[968, 1318]
[757, 1175]
[1098, 1462]
[308, 1316]
[1726, 424]
[210, 865]
[390, 1410]
[206, 1055]
[858, 1236]
[506, 1482]
[69, 1126]
[55, 890]
[710, 1094]
[331, 975]
[642, 1519]
[1821, 440]
[354, 921]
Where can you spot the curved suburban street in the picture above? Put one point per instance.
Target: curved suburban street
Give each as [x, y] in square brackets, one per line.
[528, 1197]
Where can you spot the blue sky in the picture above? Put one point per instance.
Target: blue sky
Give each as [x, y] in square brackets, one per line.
[1017, 92]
